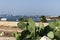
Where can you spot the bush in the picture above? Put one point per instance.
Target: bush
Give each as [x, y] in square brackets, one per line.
[23, 19]
[50, 35]
[17, 37]
[31, 26]
[13, 34]
[21, 25]
[47, 29]
[41, 26]
[43, 32]
[24, 34]
[43, 19]
[57, 34]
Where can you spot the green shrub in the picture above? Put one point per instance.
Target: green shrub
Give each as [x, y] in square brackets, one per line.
[47, 29]
[31, 26]
[57, 33]
[54, 24]
[43, 19]
[17, 37]
[23, 19]
[24, 34]
[50, 35]
[41, 26]
[13, 34]
[21, 25]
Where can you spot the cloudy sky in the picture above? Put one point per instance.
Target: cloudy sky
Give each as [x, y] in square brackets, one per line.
[30, 7]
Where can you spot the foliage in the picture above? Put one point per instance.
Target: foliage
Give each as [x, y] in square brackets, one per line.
[43, 19]
[13, 34]
[31, 26]
[23, 19]
[52, 30]
[57, 34]
[58, 16]
[54, 24]
[38, 38]
[24, 34]
[56, 29]
[47, 29]
[41, 26]
[43, 32]
[17, 37]
[29, 32]
[50, 35]
[40, 30]
[21, 25]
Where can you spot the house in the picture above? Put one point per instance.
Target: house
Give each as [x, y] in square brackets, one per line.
[52, 18]
[3, 19]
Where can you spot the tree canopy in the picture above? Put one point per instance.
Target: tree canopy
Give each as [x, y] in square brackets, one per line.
[43, 19]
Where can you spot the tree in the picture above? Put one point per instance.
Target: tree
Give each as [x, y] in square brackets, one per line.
[58, 16]
[43, 19]
[23, 19]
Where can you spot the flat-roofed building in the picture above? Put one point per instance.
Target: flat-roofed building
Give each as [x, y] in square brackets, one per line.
[3, 19]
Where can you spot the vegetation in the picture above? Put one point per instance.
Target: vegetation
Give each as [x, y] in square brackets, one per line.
[50, 35]
[43, 19]
[28, 32]
[56, 29]
[31, 32]
[52, 30]
[23, 19]
[22, 25]
[58, 16]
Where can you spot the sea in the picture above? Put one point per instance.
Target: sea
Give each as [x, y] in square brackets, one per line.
[16, 18]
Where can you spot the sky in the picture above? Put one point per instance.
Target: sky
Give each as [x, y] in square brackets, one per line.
[30, 7]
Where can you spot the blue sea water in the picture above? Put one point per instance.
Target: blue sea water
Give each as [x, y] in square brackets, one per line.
[36, 19]
[11, 18]
[16, 18]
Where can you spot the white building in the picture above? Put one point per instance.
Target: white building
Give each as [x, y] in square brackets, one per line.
[3, 19]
